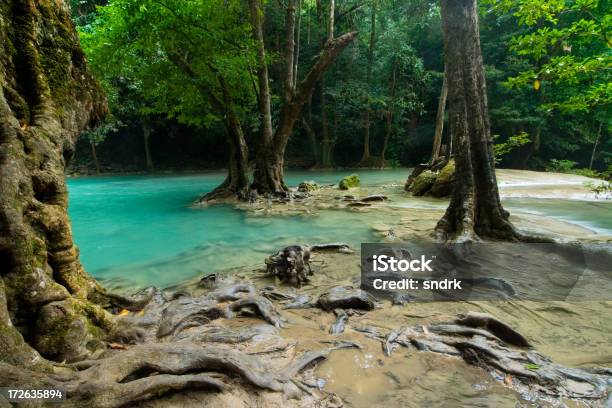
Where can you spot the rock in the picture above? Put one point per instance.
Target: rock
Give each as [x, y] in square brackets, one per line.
[349, 182]
[346, 297]
[308, 186]
[423, 183]
[358, 204]
[443, 186]
[376, 197]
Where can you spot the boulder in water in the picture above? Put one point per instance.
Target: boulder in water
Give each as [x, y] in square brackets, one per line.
[349, 182]
[308, 186]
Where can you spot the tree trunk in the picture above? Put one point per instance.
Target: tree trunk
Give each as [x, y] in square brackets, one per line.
[437, 142]
[475, 209]
[268, 176]
[146, 134]
[298, 32]
[236, 182]
[389, 117]
[48, 96]
[330, 21]
[365, 157]
[94, 154]
[388, 131]
[595, 146]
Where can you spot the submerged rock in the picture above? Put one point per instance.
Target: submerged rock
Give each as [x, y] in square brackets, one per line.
[346, 297]
[349, 182]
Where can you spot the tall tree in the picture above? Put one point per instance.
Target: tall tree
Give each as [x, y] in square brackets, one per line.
[475, 209]
[365, 157]
[268, 176]
[184, 69]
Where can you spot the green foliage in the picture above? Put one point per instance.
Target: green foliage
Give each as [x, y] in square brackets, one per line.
[568, 43]
[137, 47]
[512, 143]
[97, 135]
[568, 166]
[561, 166]
[602, 189]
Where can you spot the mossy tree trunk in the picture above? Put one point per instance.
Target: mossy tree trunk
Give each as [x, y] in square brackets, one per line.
[475, 209]
[48, 303]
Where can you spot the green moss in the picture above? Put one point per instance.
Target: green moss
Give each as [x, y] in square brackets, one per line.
[349, 182]
[443, 186]
[308, 186]
[423, 183]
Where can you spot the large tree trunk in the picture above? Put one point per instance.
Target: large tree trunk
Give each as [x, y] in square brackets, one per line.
[437, 142]
[47, 301]
[475, 209]
[268, 176]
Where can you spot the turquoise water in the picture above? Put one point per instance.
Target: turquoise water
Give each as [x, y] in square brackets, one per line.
[141, 230]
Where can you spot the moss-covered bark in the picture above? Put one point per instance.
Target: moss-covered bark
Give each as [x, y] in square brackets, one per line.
[47, 97]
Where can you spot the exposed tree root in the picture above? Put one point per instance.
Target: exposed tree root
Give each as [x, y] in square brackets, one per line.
[483, 340]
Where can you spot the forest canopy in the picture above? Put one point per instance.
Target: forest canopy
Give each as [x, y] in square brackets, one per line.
[547, 66]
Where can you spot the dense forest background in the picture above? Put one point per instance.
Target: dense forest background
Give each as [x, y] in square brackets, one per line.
[547, 67]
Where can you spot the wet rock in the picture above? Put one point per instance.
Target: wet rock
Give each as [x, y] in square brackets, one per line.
[299, 302]
[308, 186]
[443, 186]
[358, 204]
[343, 297]
[375, 197]
[423, 183]
[349, 182]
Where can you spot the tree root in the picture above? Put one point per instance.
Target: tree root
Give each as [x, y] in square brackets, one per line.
[146, 371]
[484, 341]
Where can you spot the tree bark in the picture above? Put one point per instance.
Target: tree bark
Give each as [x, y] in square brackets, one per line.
[437, 142]
[268, 176]
[475, 209]
[48, 303]
[146, 135]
